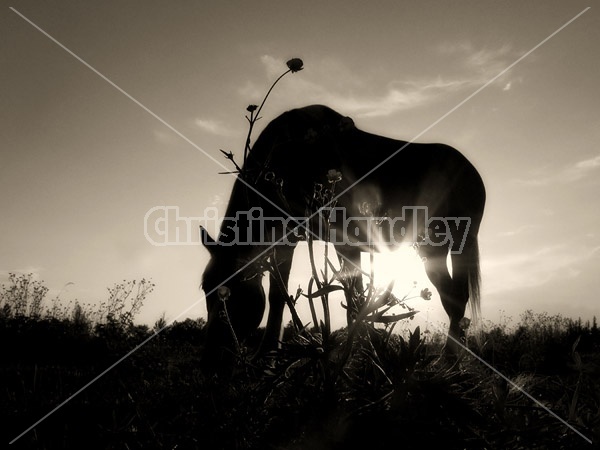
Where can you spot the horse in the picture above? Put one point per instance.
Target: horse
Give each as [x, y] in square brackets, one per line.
[315, 146]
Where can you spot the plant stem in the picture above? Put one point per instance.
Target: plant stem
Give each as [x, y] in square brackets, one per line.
[311, 304]
[311, 256]
[371, 268]
[235, 339]
[325, 298]
[255, 117]
[295, 317]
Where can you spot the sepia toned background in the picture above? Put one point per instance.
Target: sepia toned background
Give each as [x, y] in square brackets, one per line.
[81, 163]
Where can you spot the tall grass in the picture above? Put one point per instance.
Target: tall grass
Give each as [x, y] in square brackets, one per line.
[393, 390]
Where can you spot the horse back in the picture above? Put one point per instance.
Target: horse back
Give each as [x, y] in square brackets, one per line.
[302, 145]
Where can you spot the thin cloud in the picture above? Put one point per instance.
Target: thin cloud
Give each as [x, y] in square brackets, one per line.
[489, 59]
[212, 126]
[480, 64]
[516, 232]
[392, 101]
[583, 168]
[570, 173]
[399, 96]
[467, 54]
[534, 268]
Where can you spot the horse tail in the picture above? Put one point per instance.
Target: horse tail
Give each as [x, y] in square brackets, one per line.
[474, 273]
[474, 276]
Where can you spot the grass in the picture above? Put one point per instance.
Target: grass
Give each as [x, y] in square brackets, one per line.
[386, 391]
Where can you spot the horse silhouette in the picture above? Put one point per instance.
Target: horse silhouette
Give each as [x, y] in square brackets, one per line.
[380, 177]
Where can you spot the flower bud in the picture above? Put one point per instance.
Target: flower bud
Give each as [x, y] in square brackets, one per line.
[333, 176]
[224, 292]
[295, 64]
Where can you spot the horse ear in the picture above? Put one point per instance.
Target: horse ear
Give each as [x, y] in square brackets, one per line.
[208, 242]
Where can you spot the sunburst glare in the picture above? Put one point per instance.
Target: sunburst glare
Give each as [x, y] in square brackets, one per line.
[403, 265]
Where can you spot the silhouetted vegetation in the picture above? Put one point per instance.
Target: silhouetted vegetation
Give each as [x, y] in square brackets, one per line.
[384, 391]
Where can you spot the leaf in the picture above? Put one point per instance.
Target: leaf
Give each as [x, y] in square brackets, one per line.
[575, 344]
[331, 265]
[415, 339]
[380, 318]
[384, 297]
[310, 286]
[381, 300]
[324, 290]
[333, 269]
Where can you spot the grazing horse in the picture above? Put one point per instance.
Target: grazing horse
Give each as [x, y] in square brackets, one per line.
[380, 177]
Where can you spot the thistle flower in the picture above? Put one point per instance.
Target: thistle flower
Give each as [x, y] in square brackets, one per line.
[251, 108]
[224, 292]
[295, 64]
[426, 294]
[333, 176]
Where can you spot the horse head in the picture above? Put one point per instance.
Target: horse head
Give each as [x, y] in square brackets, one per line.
[234, 293]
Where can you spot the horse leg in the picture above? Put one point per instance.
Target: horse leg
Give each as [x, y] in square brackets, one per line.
[281, 260]
[466, 278]
[454, 297]
[349, 258]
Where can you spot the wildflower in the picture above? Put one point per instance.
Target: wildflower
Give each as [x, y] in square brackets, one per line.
[295, 64]
[224, 293]
[426, 294]
[333, 176]
[251, 108]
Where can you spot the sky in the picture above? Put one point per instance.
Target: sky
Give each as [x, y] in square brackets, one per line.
[84, 157]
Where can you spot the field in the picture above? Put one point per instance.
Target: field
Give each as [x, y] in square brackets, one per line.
[378, 390]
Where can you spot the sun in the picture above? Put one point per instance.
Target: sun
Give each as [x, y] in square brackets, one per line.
[402, 265]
